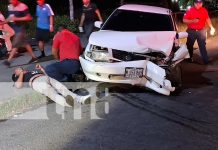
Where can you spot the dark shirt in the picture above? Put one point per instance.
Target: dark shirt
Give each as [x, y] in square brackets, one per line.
[27, 76]
[89, 13]
[21, 10]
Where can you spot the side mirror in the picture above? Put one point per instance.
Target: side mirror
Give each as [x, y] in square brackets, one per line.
[182, 35]
[98, 24]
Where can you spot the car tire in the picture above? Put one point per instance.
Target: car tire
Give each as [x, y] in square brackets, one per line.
[175, 76]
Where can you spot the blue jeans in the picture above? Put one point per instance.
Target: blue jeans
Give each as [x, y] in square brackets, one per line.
[89, 27]
[61, 70]
[200, 36]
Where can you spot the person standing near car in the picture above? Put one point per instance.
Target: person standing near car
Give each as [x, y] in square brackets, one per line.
[45, 24]
[18, 17]
[196, 18]
[66, 49]
[88, 17]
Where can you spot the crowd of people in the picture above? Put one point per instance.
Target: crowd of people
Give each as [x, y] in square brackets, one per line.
[66, 46]
[66, 49]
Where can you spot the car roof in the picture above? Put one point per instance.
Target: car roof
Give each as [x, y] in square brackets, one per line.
[146, 8]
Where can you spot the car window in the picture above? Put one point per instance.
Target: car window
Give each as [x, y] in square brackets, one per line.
[126, 20]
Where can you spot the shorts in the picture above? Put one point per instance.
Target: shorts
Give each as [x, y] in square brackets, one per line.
[19, 40]
[42, 34]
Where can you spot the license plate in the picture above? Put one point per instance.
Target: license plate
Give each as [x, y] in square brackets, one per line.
[131, 72]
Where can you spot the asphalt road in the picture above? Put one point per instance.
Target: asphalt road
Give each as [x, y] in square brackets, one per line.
[127, 118]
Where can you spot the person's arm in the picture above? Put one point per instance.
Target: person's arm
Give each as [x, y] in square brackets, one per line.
[82, 19]
[212, 29]
[188, 17]
[189, 21]
[99, 15]
[39, 67]
[28, 17]
[56, 45]
[50, 14]
[51, 19]
[19, 83]
[55, 53]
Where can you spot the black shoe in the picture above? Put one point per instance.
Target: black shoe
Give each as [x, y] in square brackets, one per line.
[190, 60]
[41, 56]
[208, 63]
[6, 63]
[33, 60]
[69, 100]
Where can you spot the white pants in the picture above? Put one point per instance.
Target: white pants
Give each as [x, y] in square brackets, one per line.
[53, 89]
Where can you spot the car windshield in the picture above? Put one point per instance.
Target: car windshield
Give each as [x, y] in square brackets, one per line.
[128, 20]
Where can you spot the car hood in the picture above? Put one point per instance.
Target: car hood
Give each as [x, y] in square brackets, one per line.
[139, 42]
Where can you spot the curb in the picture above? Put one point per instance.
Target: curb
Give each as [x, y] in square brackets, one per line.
[21, 103]
[26, 99]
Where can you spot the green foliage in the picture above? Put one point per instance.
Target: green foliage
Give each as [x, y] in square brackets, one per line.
[3, 7]
[65, 20]
[58, 20]
[31, 28]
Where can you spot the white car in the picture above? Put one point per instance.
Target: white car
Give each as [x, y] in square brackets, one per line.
[136, 45]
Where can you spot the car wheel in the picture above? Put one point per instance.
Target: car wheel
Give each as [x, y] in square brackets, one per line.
[175, 76]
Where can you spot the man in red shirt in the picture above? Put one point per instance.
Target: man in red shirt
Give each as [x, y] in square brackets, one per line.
[66, 49]
[196, 18]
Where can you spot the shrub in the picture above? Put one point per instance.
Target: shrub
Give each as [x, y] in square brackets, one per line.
[65, 20]
[58, 20]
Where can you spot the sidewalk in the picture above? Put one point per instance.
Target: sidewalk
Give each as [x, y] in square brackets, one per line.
[13, 101]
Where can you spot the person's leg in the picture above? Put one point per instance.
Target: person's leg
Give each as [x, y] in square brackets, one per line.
[69, 66]
[88, 29]
[28, 47]
[201, 39]
[190, 41]
[62, 89]
[41, 45]
[54, 71]
[42, 36]
[8, 43]
[16, 42]
[8, 33]
[12, 54]
[58, 70]
[42, 85]
[30, 50]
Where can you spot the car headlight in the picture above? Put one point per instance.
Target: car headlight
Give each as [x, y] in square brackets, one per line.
[98, 53]
[98, 56]
[98, 48]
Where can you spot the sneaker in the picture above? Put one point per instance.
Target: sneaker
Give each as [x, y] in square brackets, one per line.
[69, 100]
[33, 60]
[6, 63]
[83, 99]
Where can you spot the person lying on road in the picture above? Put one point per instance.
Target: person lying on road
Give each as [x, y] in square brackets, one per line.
[48, 86]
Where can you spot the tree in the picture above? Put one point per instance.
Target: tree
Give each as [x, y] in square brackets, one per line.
[121, 2]
[71, 8]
